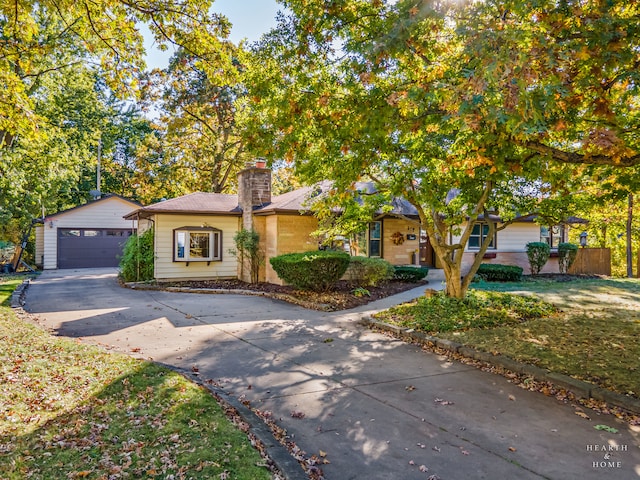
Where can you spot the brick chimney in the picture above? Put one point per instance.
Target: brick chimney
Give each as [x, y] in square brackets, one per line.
[254, 191]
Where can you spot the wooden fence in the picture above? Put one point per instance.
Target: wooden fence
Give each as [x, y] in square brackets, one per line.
[592, 261]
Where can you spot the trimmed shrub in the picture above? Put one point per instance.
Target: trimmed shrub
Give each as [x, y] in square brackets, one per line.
[369, 271]
[317, 270]
[495, 272]
[136, 264]
[567, 253]
[538, 254]
[410, 274]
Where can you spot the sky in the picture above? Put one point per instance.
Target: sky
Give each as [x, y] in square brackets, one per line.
[250, 19]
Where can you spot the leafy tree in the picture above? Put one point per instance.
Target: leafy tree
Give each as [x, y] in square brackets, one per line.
[394, 93]
[43, 37]
[53, 112]
[201, 116]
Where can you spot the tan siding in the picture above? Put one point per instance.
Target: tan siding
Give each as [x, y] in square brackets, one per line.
[167, 269]
[399, 254]
[107, 213]
[288, 234]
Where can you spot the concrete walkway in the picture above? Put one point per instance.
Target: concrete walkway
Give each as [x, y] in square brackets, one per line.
[378, 407]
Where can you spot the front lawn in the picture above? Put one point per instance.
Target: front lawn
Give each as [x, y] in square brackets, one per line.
[69, 410]
[594, 336]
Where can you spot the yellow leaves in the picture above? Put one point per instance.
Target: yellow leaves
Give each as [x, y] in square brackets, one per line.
[583, 54]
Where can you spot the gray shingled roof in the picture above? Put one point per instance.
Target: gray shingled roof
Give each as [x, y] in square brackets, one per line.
[197, 203]
[227, 204]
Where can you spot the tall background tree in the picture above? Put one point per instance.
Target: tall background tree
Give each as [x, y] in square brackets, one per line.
[65, 68]
[200, 115]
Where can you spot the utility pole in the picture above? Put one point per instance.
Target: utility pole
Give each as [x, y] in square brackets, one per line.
[98, 173]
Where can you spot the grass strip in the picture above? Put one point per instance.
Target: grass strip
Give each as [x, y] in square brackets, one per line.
[587, 329]
[69, 410]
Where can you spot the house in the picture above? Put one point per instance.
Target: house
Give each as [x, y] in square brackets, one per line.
[508, 246]
[89, 235]
[194, 233]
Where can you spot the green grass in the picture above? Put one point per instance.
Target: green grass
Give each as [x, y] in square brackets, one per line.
[69, 410]
[594, 337]
[7, 286]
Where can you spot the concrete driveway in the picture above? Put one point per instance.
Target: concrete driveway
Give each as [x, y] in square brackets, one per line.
[379, 408]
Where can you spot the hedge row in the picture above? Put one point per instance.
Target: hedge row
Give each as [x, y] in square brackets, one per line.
[320, 270]
[494, 272]
[410, 274]
[369, 271]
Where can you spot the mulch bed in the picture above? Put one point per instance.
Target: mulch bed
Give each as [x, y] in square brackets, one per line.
[341, 297]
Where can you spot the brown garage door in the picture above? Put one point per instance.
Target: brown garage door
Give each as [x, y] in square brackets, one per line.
[90, 247]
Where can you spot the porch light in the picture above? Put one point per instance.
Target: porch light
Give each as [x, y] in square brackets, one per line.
[583, 239]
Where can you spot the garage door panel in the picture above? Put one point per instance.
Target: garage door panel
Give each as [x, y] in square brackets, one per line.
[90, 248]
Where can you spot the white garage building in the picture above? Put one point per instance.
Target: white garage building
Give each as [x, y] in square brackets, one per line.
[90, 235]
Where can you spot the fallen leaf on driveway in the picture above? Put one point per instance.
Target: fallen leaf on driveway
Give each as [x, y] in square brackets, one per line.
[423, 468]
[583, 415]
[409, 388]
[512, 449]
[296, 414]
[442, 402]
[512, 398]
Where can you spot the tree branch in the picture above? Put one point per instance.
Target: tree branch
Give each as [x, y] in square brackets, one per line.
[581, 159]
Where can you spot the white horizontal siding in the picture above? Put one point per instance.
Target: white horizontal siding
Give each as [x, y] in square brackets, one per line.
[167, 269]
[513, 238]
[106, 213]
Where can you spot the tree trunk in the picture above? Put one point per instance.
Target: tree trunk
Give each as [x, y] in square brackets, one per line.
[629, 237]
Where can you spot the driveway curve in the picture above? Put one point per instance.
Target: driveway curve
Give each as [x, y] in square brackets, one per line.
[370, 406]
